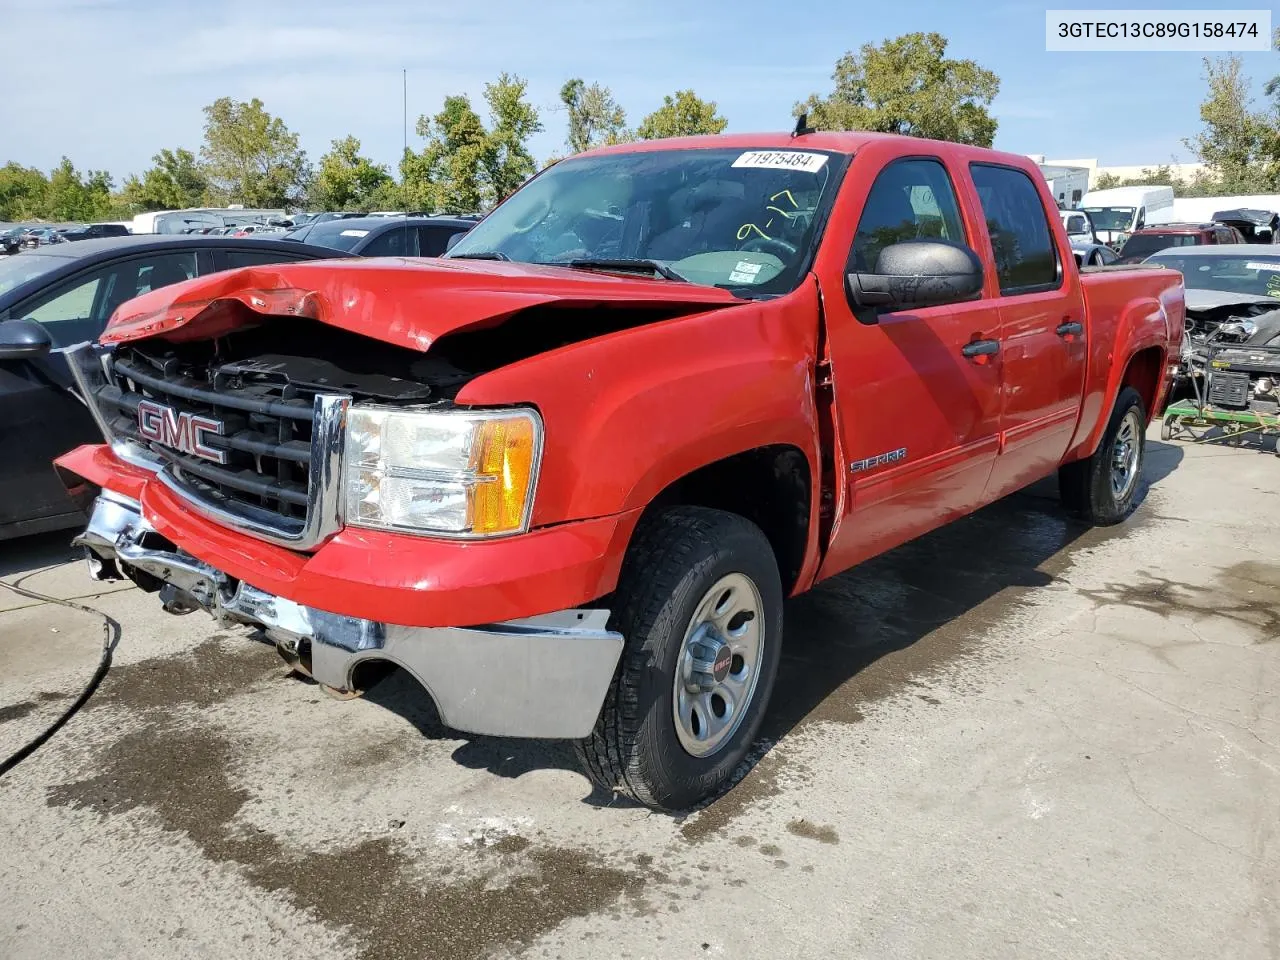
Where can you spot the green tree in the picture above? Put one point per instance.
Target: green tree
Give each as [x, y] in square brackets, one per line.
[347, 181]
[466, 166]
[513, 120]
[1230, 142]
[174, 182]
[448, 174]
[22, 192]
[595, 118]
[683, 114]
[72, 197]
[908, 85]
[250, 157]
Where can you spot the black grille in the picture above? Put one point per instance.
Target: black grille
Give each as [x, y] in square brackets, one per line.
[267, 429]
[1228, 389]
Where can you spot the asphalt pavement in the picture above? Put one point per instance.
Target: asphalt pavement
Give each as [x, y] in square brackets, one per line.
[1015, 737]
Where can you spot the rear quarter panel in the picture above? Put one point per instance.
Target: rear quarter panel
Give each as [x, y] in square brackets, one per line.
[1128, 309]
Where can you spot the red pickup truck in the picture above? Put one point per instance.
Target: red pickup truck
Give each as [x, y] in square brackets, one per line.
[566, 474]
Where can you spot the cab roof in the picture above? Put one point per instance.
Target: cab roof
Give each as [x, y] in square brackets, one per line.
[845, 142]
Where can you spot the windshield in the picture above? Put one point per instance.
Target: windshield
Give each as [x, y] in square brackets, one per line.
[1259, 276]
[1111, 218]
[1145, 244]
[338, 234]
[24, 267]
[741, 219]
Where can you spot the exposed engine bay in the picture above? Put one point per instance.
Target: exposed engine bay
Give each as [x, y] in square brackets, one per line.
[1231, 353]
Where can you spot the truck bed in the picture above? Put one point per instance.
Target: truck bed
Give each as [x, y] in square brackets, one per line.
[1140, 304]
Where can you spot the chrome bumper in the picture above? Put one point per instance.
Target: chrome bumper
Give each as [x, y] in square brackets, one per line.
[544, 676]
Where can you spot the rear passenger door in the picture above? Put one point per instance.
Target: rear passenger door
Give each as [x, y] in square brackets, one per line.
[918, 414]
[1042, 329]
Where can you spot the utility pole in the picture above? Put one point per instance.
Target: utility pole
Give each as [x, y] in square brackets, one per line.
[406, 110]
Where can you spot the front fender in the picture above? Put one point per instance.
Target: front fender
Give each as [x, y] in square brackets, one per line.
[628, 413]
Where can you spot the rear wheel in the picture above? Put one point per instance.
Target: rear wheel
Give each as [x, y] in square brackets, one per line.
[699, 601]
[1102, 488]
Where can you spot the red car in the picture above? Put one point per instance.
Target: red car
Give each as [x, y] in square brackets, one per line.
[1144, 242]
[566, 475]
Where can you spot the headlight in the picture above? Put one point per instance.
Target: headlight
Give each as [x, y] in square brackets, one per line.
[464, 473]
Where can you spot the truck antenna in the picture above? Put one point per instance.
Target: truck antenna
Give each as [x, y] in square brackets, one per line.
[802, 126]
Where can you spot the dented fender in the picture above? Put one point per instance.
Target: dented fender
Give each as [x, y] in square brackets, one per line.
[631, 412]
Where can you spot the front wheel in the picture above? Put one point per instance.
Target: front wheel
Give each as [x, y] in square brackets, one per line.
[699, 601]
[1102, 489]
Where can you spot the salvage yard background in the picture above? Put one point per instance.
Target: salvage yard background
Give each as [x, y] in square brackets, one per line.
[1013, 737]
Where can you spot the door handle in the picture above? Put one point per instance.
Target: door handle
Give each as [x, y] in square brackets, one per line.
[981, 348]
[1071, 328]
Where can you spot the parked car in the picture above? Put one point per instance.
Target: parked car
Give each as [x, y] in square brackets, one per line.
[11, 239]
[1254, 226]
[96, 231]
[386, 236]
[1143, 243]
[586, 455]
[1233, 298]
[40, 236]
[1094, 255]
[57, 296]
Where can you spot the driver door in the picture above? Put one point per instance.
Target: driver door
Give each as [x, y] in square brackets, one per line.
[918, 419]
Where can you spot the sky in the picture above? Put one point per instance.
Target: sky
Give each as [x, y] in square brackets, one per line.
[111, 82]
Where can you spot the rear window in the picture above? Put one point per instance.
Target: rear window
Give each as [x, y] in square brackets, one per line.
[1145, 244]
[338, 234]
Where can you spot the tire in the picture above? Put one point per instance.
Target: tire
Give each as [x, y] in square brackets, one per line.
[1166, 427]
[1089, 487]
[641, 747]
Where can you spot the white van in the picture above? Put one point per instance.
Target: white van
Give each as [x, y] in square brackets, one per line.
[1117, 212]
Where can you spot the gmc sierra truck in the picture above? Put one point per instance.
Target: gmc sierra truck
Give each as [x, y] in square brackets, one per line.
[566, 475]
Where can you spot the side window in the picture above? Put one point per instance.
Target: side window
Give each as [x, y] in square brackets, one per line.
[910, 200]
[433, 241]
[254, 258]
[1076, 196]
[1021, 241]
[1224, 235]
[394, 243]
[68, 314]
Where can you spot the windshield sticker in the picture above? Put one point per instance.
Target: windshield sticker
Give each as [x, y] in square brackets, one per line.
[737, 276]
[782, 160]
[746, 266]
[355, 233]
[1252, 265]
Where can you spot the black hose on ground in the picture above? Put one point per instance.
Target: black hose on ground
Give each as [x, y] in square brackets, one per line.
[110, 637]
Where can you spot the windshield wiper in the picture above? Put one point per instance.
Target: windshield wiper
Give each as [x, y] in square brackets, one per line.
[627, 265]
[480, 255]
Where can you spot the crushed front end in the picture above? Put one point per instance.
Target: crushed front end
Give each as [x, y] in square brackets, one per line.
[337, 500]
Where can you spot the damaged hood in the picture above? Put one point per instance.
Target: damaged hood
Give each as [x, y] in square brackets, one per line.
[1216, 299]
[404, 302]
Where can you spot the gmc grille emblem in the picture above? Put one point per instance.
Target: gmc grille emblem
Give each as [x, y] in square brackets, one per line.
[181, 431]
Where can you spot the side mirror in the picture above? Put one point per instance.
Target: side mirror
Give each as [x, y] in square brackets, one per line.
[453, 241]
[918, 273]
[20, 339]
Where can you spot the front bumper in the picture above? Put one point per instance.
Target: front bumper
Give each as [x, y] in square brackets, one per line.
[543, 676]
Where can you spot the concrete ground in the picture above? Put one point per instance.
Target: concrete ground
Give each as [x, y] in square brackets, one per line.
[1016, 737]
